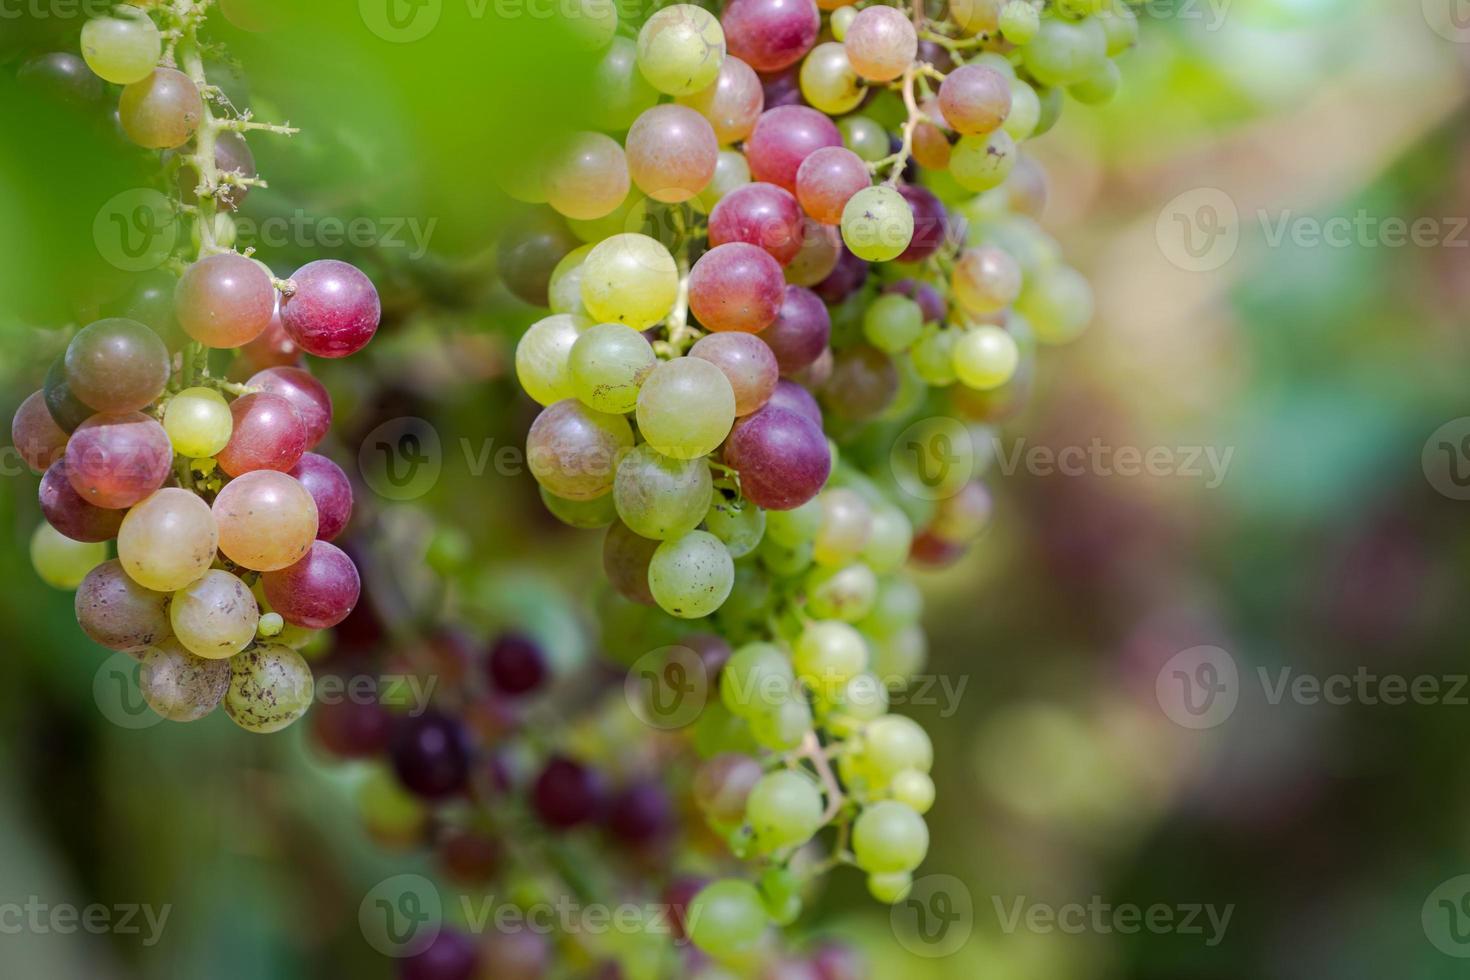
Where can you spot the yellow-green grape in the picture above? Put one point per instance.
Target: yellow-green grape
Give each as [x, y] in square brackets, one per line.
[393, 816]
[913, 789]
[985, 280]
[976, 16]
[122, 48]
[882, 43]
[215, 617]
[996, 60]
[783, 560]
[680, 49]
[627, 216]
[731, 171]
[781, 893]
[893, 323]
[1100, 87]
[631, 279]
[828, 80]
[686, 408]
[986, 357]
[846, 524]
[864, 136]
[863, 698]
[888, 543]
[899, 604]
[1064, 52]
[593, 22]
[797, 526]
[180, 686]
[1025, 111]
[741, 527]
[585, 514]
[691, 576]
[608, 364]
[1019, 21]
[726, 919]
[660, 497]
[845, 593]
[543, 354]
[587, 177]
[877, 223]
[900, 655]
[979, 163]
[1120, 25]
[61, 562]
[889, 838]
[564, 290]
[167, 540]
[784, 810]
[756, 678]
[841, 20]
[1057, 303]
[890, 889]
[198, 422]
[933, 356]
[828, 654]
[270, 688]
[781, 727]
[894, 743]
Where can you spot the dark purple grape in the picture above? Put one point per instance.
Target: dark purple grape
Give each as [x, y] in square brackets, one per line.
[66, 408]
[800, 331]
[677, 896]
[783, 458]
[782, 87]
[937, 55]
[430, 756]
[517, 664]
[331, 490]
[352, 728]
[470, 856]
[567, 793]
[930, 223]
[795, 398]
[641, 813]
[529, 252]
[769, 35]
[62, 76]
[929, 299]
[846, 279]
[66, 511]
[450, 956]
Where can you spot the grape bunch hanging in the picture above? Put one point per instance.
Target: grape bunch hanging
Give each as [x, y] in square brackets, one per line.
[221, 514]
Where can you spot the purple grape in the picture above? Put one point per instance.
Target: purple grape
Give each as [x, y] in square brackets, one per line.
[430, 756]
[352, 728]
[331, 490]
[800, 331]
[116, 366]
[782, 87]
[305, 393]
[334, 309]
[528, 254]
[759, 214]
[62, 76]
[567, 793]
[746, 361]
[864, 382]
[712, 650]
[450, 956]
[769, 35]
[35, 434]
[66, 511]
[783, 138]
[736, 286]
[625, 558]
[795, 398]
[929, 223]
[928, 298]
[66, 409]
[641, 814]
[318, 591]
[118, 613]
[846, 279]
[782, 457]
[517, 665]
[114, 461]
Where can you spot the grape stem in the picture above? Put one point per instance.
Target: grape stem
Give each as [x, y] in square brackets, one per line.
[677, 324]
[897, 161]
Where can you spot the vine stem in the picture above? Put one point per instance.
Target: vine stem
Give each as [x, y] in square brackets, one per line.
[898, 160]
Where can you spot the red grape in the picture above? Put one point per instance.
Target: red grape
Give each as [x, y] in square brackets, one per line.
[847, 278]
[116, 366]
[517, 664]
[334, 310]
[268, 435]
[162, 111]
[975, 99]
[66, 511]
[759, 214]
[732, 104]
[748, 364]
[429, 755]
[331, 490]
[795, 398]
[225, 300]
[305, 393]
[567, 793]
[783, 458]
[318, 591]
[782, 87]
[737, 286]
[642, 813]
[783, 138]
[800, 331]
[827, 178]
[770, 35]
[273, 348]
[35, 434]
[114, 461]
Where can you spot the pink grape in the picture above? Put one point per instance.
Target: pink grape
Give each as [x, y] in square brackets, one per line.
[748, 364]
[881, 43]
[268, 435]
[815, 376]
[116, 366]
[737, 286]
[573, 451]
[225, 300]
[318, 591]
[782, 457]
[35, 434]
[66, 511]
[331, 490]
[770, 35]
[334, 309]
[273, 348]
[828, 177]
[267, 521]
[118, 613]
[672, 152]
[864, 382]
[821, 246]
[114, 461]
[305, 393]
[587, 178]
[800, 331]
[931, 223]
[985, 280]
[625, 559]
[975, 99]
[783, 139]
[795, 398]
[162, 111]
[759, 214]
[732, 104]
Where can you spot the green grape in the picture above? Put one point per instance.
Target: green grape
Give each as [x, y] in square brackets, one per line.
[888, 545]
[564, 289]
[1057, 303]
[393, 816]
[180, 686]
[1120, 26]
[1065, 52]
[686, 408]
[913, 789]
[996, 60]
[198, 422]
[661, 497]
[780, 889]
[975, 16]
[899, 604]
[785, 561]
[892, 323]
[985, 358]
[840, 20]
[270, 688]
[726, 919]
[877, 224]
[123, 48]
[586, 514]
[215, 617]
[1019, 21]
[933, 356]
[784, 810]
[749, 604]
[167, 540]
[829, 82]
[690, 576]
[542, 357]
[756, 678]
[862, 699]
[632, 213]
[889, 838]
[894, 743]
[741, 526]
[828, 654]
[717, 731]
[1099, 88]
[681, 49]
[593, 22]
[846, 593]
[607, 365]
[782, 727]
[61, 562]
[847, 523]
[1025, 111]
[979, 163]
[890, 889]
[731, 171]
[797, 526]
[864, 136]
[631, 279]
[900, 655]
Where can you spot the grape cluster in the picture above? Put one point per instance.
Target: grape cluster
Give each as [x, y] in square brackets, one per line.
[222, 515]
[748, 300]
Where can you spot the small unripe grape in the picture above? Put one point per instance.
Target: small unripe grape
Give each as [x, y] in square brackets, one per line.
[691, 576]
[681, 49]
[543, 357]
[722, 785]
[1099, 88]
[731, 174]
[198, 422]
[889, 838]
[61, 562]
[585, 514]
[123, 48]
[168, 540]
[686, 407]
[751, 675]
[829, 82]
[1019, 21]
[741, 528]
[162, 110]
[882, 43]
[732, 104]
[784, 810]
[933, 357]
[726, 919]
[985, 280]
[266, 520]
[1057, 303]
[877, 224]
[629, 279]
[845, 526]
[180, 686]
[890, 889]
[846, 593]
[979, 163]
[215, 616]
[864, 136]
[894, 743]
[976, 16]
[1065, 52]
[270, 688]
[1025, 111]
[888, 544]
[607, 365]
[588, 177]
[225, 300]
[893, 323]
[986, 357]
[1120, 25]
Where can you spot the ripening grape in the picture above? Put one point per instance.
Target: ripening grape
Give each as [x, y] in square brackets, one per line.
[266, 520]
[593, 23]
[748, 364]
[931, 146]
[587, 178]
[963, 516]
[625, 559]
[1025, 111]
[828, 653]
[305, 393]
[330, 490]
[607, 364]
[66, 410]
[198, 422]
[786, 561]
[846, 524]
[741, 528]
[846, 593]
[828, 179]
[821, 248]
[573, 451]
[66, 511]
[731, 174]
[620, 91]
[759, 214]
[985, 357]
[979, 163]
[660, 497]
[61, 77]
[1065, 52]
[123, 48]
[976, 16]
[829, 82]
[161, 110]
[586, 514]
[214, 616]
[892, 323]
[317, 592]
[882, 43]
[931, 223]
[722, 785]
[116, 366]
[681, 49]
[672, 152]
[268, 434]
[1058, 304]
[726, 919]
[985, 280]
[771, 34]
[736, 286]
[864, 136]
[800, 331]
[975, 100]
[1100, 87]
[691, 576]
[889, 838]
[567, 793]
[732, 104]
[782, 456]
[114, 461]
[785, 136]
[118, 613]
[61, 562]
[35, 434]
[863, 384]
[270, 688]
[1019, 21]
[542, 357]
[686, 408]
[332, 308]
[629, 279]
[877, 224]
[168, 540]
[784, 810]
[178, 685]
[225, 300]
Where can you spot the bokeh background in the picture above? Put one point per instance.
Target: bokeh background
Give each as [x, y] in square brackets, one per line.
[1331, 540]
